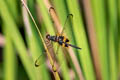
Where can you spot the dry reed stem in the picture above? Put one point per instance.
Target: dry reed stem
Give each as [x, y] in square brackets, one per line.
[72, 75]
[2, 40]
[92, 37]
[26, 20]
[48, 54]
[58, 27]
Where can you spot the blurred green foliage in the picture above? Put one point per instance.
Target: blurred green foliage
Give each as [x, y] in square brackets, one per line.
[23, 44]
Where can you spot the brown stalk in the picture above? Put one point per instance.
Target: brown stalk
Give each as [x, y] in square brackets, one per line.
[72, 75]
[26, 20]
[2, 40]
[47, 51]
[92, 37]
[58, 27]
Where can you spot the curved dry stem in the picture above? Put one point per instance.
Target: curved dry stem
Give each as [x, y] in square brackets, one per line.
[58, 27]
[48, 54]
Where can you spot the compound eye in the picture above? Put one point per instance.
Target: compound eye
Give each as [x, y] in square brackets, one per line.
[47, 36]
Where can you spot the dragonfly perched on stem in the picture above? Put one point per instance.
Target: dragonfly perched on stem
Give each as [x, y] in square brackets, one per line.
[60, 39]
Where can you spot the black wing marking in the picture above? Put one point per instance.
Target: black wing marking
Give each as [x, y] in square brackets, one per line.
[40, 60]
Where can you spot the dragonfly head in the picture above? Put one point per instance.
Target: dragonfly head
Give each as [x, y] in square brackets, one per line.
[48, 36]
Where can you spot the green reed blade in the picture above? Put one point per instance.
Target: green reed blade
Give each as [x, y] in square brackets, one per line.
[81, 40]
[113, 38]
[10, 61]
[17, 40]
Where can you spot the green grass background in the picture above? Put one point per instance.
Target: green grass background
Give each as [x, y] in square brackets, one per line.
[21, 50]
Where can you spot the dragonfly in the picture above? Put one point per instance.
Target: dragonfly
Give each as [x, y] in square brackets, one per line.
[60, 39]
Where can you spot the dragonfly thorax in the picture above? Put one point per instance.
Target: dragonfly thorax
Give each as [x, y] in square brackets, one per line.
[56, 38]
[52, 38]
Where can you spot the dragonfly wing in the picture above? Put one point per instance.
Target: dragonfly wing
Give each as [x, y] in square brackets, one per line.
[67, 22]
[69, 31]
[40, 60]
[57, 49]
[67, 28]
